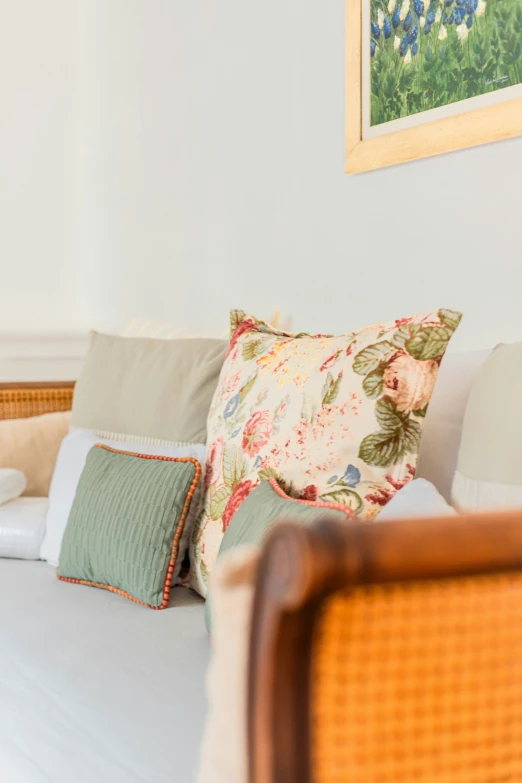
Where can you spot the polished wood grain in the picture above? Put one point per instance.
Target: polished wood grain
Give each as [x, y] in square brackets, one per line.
[301, 567]
[30, 385]
[469, 129]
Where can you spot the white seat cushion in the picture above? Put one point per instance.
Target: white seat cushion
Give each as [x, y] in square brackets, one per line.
[94, 688]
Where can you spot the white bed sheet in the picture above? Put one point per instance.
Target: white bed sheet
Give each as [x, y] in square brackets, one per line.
[95, 688]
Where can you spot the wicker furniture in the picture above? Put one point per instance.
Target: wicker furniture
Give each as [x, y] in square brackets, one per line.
[21, 400]
[388, 653]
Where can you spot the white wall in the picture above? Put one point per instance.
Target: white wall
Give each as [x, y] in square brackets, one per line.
[216, 180]
[211, 175]
[38, 154]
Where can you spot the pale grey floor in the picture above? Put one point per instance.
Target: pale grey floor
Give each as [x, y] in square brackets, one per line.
[95, 688]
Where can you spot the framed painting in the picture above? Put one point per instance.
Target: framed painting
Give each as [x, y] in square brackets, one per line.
[425, 77]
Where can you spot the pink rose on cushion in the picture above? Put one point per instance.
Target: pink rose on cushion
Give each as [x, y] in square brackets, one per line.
[403, 321]
[381, 496]
[245, 326]
[409, 383]
[213, 462]
[256, 433]
[400, 483]
[241, 492]
[309, 493]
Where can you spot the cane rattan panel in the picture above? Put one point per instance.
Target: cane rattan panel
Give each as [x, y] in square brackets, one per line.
[419, 683]
[20, 402]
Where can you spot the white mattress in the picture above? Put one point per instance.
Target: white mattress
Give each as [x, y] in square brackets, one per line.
[95, 688]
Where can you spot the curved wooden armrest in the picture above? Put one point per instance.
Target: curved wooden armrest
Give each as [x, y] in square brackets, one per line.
[301, 566]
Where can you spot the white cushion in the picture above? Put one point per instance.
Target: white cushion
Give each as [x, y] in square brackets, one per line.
[12, 484]
[471, 494]
[22, 527]
[69, 467]
[442, 429]
[419, 498]
[139, 326]
[489, 471]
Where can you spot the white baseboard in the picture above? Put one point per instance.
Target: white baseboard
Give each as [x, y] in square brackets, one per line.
[41, 358]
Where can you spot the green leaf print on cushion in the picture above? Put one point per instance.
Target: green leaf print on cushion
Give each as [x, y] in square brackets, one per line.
[429, 343]
[399, 436]
[382, 449]
[330, 417]
[369, 359]
[450, 318]
[345, 496]
[389, 418]
[234, 467]
[331, 388]
[218, 499]
[249, 385]
[373, 383]
[403, 370]
[250, 349]
[404, 333]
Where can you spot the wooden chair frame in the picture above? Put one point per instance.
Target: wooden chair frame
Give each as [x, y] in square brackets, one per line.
[300, 567]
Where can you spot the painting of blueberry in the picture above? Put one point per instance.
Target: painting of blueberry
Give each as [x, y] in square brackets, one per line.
[428, 54]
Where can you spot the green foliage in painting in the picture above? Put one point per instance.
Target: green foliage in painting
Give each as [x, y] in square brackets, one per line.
[429, 54]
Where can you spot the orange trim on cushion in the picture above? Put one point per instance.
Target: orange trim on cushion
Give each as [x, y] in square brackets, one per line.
[315, 503]
[175, 541]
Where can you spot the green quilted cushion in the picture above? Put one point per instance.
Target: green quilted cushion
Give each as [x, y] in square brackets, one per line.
[267, 505]
[126, 522]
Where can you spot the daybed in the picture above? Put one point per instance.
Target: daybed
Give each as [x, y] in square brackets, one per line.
[96, 688]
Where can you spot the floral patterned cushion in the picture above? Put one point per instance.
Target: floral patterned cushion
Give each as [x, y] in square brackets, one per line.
[337, 419]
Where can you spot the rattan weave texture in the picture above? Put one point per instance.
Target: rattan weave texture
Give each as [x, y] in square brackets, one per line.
[419, 683]
[22, 402]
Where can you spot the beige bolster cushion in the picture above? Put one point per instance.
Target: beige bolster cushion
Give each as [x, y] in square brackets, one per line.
[489, 468]
[31, 445]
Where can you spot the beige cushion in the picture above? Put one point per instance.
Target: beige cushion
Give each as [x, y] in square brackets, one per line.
[439, 448]
[489, 468]
[31, 445]
[224, 751]
[140, 387]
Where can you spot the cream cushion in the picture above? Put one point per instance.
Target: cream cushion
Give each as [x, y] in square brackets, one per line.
[224, 757]
[442, 429]
[489, 468]
[31, 446]
[333, 418]
[145, 388]
[12, 484]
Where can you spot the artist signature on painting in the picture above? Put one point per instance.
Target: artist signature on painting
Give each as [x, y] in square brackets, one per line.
[498, 80]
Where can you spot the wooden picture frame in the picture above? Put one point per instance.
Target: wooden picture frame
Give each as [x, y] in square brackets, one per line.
[469, 129]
